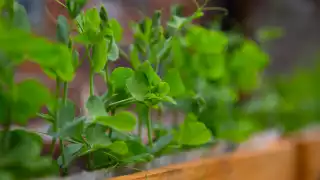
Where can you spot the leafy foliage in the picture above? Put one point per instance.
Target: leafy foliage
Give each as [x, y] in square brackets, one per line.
[181, 66]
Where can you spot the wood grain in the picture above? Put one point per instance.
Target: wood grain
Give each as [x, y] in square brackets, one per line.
[276, 163]
[308, 158]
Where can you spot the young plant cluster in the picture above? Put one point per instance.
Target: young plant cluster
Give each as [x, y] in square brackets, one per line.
[180, 67]
[288, 102]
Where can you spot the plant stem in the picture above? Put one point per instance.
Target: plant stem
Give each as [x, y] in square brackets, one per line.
[64, 168]
[91, 82]
[64, 100]
[113, 112]
[149, 126]
[6, 132]
[124, 55]
[160, 113]
[65, 93]
[55, 125]
[140, 127]
[124, 101]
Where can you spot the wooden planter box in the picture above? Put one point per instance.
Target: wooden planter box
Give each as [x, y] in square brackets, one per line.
[275, 163]
[308, 156]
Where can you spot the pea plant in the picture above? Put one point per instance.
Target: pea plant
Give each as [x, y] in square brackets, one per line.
[179, 66]
[209, 72]
[278, 106]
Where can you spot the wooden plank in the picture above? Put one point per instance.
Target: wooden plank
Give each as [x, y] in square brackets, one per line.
[277, 163]
[270, 164]
[308, 159]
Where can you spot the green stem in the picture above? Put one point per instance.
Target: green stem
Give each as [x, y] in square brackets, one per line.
[160, 113]
[140, 127]
[149, 126]
[91, 82]
[65, 92]
[55, 125]
[6, 132]
[124, 101]
[113, 112]
[124, 55]
[64, 100]
[64, 168]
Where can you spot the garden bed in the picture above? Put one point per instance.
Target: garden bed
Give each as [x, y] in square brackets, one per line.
[275, 162]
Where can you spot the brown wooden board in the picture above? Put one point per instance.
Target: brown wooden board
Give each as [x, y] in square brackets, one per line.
[308, 158]
[276, 163]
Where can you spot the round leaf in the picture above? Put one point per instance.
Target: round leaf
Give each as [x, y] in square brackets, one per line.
[123, 121]
[62, 29]
[30, 96]
[194, 133]
[95, 107]
[175, 82]
[117, 29]
[99, 55]
[119, 147]
[119, 77]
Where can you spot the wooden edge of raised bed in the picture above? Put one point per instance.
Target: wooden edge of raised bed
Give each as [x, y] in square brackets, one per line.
[268, 164]
[308, 158]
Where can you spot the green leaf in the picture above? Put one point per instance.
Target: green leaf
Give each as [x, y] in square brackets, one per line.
[4, 175]
[96, 136]
[206, 41]
[99, 55]
[83, 39]
[119, 77]
[249, 56]
[161, 143]
[39, 50]
[5, 105]
[66, 113]
[134, 56]
[63, 29]
[136, 147]
[248, 61]
[138, 159]
[75, 59]
[269, 33]
[113, 54]
[169, 99]
[93, 20]
[163, 88]
[122, 121]
[156, 19]
[119, 147]
[20, 18]
[236, 131]
[69, 153]
[143, 81]
[29, 97]
[117, 29]
[19, 142]
[138, 86]
[173, 78]
[95, 107]
[149, 72]
[73, 130]
[211, 66]
[74, 7]
[103, 14]
[194, 133]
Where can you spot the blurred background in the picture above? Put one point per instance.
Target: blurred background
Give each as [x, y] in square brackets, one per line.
[299, 20]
